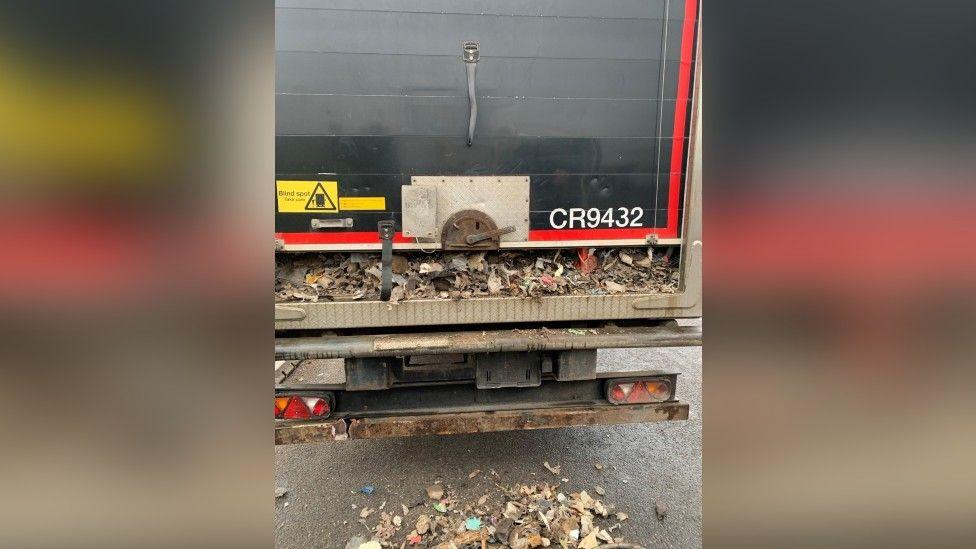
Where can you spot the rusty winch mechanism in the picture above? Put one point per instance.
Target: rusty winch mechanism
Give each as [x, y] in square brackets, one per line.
[469, 230]
[472, 230]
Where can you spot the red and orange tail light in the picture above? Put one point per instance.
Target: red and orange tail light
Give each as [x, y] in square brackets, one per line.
[303, 406]
[638, 391]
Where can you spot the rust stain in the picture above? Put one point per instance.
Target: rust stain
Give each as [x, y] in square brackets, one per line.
[476, 422]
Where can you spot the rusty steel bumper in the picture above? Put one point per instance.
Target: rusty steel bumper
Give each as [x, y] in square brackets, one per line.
[475, 422]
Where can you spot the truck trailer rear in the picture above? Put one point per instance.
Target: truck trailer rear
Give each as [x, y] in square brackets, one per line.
[471, 199]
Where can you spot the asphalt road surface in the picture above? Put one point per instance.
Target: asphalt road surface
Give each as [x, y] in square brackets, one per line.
[644, 464]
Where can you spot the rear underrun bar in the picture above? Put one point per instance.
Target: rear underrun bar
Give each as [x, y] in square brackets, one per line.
[476, 422]
[539, 339]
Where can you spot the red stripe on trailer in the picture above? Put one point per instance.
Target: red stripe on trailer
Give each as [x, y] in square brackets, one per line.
[681, 112]
[550, 235]
[600, 234]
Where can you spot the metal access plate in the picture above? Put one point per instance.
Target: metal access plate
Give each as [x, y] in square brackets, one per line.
[504, 198]
[419, 207]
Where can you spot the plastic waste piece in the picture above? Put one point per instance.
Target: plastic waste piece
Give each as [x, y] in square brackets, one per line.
[661, 510]
[557, 468]
[355, 542]
[589, 542]
[423, 524]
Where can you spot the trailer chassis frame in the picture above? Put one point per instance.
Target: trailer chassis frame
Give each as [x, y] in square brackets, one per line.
[378, 400]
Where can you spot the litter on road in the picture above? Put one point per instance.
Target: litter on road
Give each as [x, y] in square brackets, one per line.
[523, 516]
[661, 510]
[552, 469]
[435, 491]
[423, 524]
[355, 542]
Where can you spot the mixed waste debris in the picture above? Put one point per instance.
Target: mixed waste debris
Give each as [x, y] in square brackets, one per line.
[518, 516]
[448, 275]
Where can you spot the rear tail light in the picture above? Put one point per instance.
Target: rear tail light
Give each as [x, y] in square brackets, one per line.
[303, 406]
[638, 391]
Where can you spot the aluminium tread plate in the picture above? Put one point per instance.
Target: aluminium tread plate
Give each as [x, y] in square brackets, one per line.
[431, 312]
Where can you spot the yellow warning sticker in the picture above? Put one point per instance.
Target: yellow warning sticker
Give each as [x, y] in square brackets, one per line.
[321, 197]
[347, 203]
[307, 196]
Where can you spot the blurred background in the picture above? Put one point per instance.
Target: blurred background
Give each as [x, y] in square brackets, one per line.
[136, 156]
[839, 273]
[136, 150]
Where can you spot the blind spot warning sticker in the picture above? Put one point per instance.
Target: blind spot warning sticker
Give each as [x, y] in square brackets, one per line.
[375, 203]
[307, 196]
